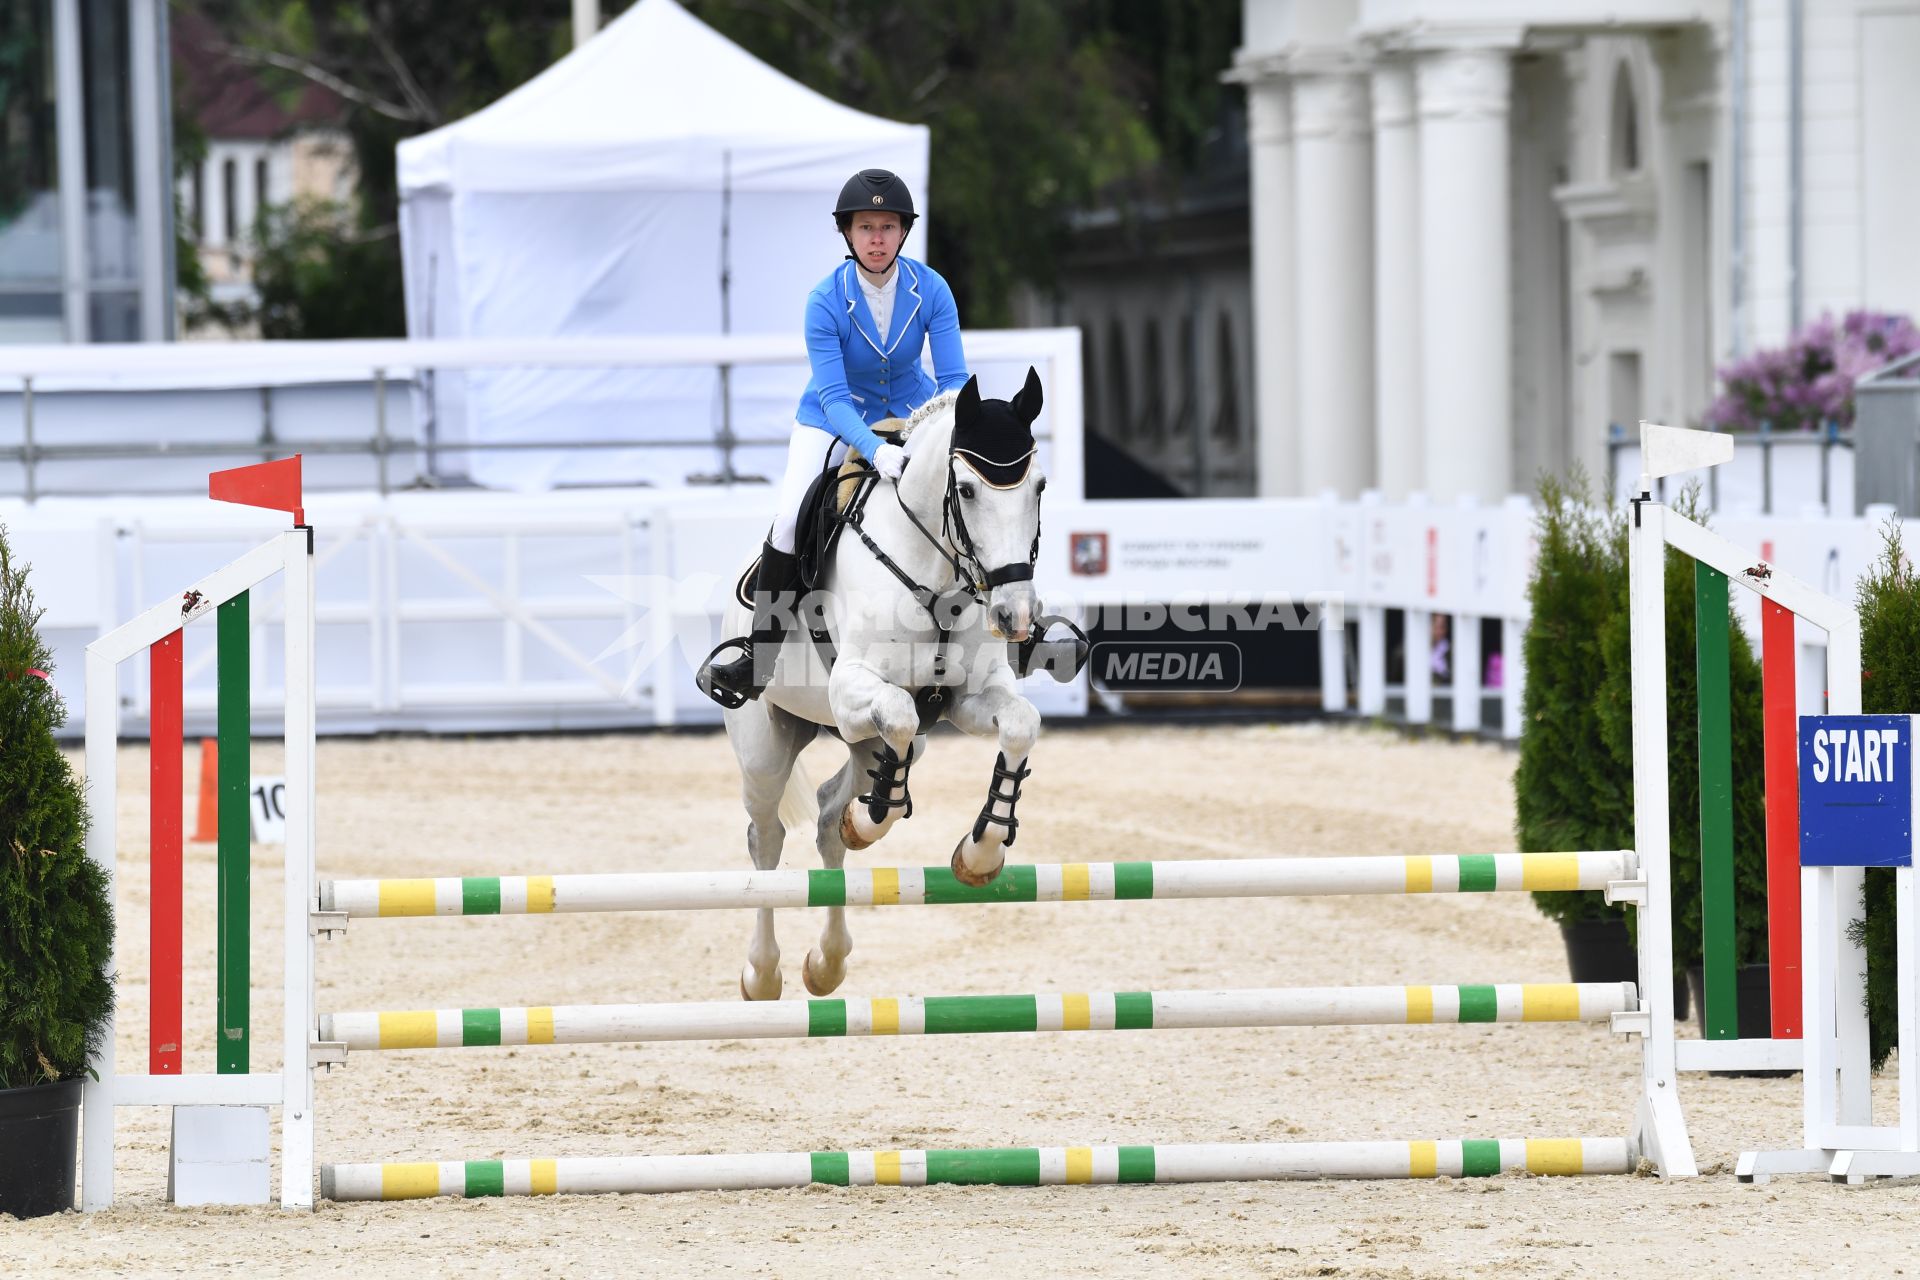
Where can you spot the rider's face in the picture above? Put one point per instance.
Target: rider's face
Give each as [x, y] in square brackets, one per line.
[876, 239]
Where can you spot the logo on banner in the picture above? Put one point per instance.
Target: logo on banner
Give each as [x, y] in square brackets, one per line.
[1856, 791]
[1088, 554]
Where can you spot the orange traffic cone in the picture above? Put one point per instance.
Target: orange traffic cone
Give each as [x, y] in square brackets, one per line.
[206, 827]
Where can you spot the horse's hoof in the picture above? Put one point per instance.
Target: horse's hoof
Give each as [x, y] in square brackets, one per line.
[972, 878]
[814, 986]
[748, 995]
[848, 836]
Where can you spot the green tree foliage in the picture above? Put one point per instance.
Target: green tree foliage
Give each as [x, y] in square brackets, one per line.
[1569, 792]
[320, 276]
[1573, 788]
[1037, 107]
[1889, 600]
[26, 106]
[56, 918]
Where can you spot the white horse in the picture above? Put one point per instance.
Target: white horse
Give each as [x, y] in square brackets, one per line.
[961, 528]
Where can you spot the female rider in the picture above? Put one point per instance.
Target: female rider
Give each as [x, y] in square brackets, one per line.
[867, 324]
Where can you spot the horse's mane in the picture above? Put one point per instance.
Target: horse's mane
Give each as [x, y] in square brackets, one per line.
[940, 402]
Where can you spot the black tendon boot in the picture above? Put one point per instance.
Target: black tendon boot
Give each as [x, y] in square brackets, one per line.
[732, 683]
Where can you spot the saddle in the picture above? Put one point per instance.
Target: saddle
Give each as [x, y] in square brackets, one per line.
[836, 495]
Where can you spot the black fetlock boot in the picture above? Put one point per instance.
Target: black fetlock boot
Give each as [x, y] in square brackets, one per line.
[732, 684]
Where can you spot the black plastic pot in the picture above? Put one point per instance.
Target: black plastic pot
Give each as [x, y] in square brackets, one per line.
[1601, 951]
[40, 1132]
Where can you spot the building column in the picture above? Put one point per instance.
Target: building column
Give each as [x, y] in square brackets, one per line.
[1398, 442]
[149, 78]
[1466, 307]
[1270, 130]
[70, 131]
[1333, 281]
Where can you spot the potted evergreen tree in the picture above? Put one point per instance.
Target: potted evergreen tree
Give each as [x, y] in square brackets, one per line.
[1569, 792]
[1574, 785]
[1889, 600]
[56, 923]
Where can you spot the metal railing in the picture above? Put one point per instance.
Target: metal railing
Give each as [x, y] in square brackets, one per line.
[265, 367]
[1828, 439]
[1767, 440]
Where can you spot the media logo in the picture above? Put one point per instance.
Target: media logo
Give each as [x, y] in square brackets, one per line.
[1166, 666]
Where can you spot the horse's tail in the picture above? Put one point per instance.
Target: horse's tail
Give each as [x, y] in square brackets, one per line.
[799, 810]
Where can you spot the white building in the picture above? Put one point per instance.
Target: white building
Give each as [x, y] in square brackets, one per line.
[1486, 230]
[262, 149]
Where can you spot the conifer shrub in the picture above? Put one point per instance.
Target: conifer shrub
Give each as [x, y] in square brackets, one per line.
[1573, 788]
[56, 918]
[1889, 602]
[1569, 792]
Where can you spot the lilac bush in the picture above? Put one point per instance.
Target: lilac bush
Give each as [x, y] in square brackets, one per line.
[1809, 382]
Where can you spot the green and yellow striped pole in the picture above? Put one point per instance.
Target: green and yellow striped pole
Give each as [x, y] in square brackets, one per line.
[980, 1015]
[1003, 1167]
[936, 886]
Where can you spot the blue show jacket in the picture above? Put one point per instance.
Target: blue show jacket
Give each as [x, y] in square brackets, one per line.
[857, 379]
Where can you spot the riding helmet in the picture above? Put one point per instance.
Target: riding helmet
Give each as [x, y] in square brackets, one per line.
[875, 189]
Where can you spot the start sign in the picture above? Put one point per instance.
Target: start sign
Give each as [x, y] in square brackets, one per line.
[1856, 791]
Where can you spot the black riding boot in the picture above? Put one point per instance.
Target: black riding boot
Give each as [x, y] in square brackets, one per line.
[774, 599]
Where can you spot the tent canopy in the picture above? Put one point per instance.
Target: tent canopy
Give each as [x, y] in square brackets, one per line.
[655, 101]
[659, 179]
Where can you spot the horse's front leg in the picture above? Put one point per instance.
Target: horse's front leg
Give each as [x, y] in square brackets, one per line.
[825, 967]
[998, 709]
[767, 747]
[867, 706]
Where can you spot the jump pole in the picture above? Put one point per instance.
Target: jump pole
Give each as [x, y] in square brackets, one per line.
[936, 886]
[980, 1015]
[1003, 1167]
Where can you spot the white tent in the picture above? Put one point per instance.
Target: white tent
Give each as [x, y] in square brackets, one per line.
[610, 196]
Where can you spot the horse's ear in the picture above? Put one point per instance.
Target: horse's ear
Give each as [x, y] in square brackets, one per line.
[969, 402]
[1026, 405]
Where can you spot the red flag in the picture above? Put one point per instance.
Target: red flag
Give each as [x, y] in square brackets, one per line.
[275, 485]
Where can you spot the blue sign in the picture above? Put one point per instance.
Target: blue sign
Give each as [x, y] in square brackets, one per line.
[1856, 791]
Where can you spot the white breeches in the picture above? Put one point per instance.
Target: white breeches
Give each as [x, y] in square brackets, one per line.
[810, 450]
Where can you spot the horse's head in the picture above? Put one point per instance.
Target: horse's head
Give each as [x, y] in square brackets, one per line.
[993, 494]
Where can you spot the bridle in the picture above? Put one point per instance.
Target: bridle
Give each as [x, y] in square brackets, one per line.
[955, 546]
[966, 573]
[976, 578]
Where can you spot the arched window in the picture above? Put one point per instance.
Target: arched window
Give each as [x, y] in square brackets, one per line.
[1119, 404]
[1625, 139]
[1089, 377]
[1226, 413]
[230, 202]
[1153, 390]
[1187, 419]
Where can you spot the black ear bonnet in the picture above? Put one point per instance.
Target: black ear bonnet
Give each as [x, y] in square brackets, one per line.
[995, 437]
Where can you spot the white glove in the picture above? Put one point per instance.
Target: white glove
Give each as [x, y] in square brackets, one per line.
[890, 460]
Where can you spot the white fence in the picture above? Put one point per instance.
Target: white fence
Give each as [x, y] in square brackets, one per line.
[483, 611]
